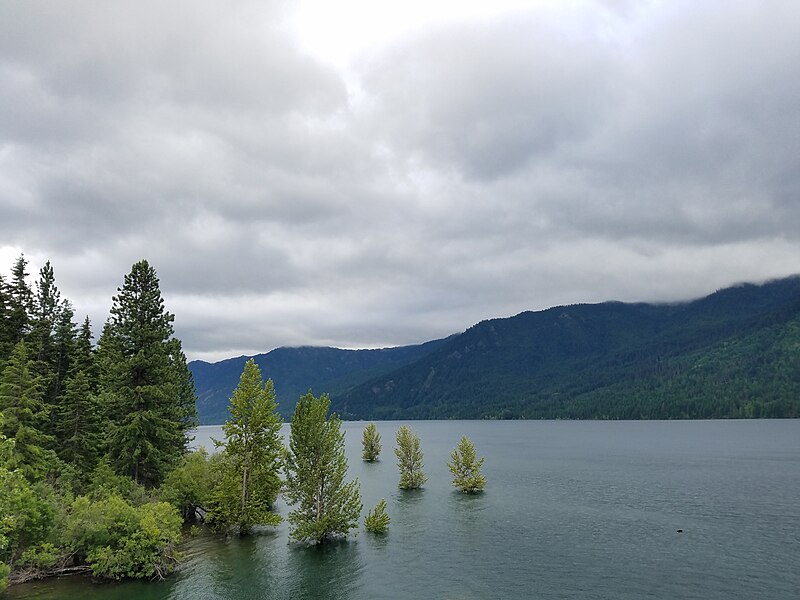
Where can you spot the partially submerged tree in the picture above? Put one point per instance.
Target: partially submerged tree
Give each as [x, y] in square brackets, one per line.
[466, 468]
[409, 459]
[377, 520]
[249, 482]
[316, 466]
[371, 441]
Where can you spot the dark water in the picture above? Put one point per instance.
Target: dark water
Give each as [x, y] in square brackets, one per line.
[572, 510]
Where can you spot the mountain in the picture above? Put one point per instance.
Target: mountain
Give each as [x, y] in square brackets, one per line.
[296, 370]
[735, 353]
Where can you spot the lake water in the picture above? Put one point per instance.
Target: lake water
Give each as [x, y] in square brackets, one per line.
[572, 509]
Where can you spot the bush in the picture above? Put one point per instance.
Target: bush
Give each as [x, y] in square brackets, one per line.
[120, 540]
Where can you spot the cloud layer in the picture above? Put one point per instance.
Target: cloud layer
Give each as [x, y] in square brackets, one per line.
[465, 170]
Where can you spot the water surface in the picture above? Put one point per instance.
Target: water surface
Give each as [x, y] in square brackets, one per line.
[573, 509]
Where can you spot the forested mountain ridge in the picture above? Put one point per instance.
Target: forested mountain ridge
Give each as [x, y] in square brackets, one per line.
[296, 370]
[735, 353]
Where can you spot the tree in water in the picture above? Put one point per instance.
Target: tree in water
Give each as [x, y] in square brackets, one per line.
[249, 482]
[316, 466]
[146, 386]
[377, 520]
[466, 468]
[371, 441]
[409, 459]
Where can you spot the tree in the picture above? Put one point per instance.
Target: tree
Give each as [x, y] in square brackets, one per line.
[79, 425]
[371, 440]
[250, 482]
[316, 467]
[466, 469]
[409, 457]
[20, 302]
[21, 404]
[145, 380]
[377, 521]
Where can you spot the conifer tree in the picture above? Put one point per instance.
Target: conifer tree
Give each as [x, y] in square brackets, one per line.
[145, 381]
[79, 427]
[249, 483]
[466, 468]
[6, 336]
[371, 442]
[409, 459]
[316, 467]
[20, 302]
[21, 405]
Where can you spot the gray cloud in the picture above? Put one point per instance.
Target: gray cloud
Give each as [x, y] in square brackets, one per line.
[620, 150]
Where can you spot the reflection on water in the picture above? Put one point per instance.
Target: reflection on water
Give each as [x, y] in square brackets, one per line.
[330, 572]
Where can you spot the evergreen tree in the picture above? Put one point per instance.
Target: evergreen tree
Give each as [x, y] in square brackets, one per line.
[409, 457]
[316, 467]
[371, 441]
[466, 468]
[79, 426]
[250, 482]
[83, 355]
[145, 381]
[21, 405]
[20, 301]
[6, 335]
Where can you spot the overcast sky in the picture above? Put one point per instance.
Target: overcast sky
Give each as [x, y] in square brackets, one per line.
[369, 174]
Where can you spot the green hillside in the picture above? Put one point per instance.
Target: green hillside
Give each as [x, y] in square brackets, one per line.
[294, 371]
[735, 353]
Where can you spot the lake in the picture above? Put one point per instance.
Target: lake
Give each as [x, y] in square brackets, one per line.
[572, 509]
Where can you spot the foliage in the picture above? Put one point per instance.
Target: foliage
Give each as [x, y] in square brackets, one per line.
[377, 520]
[20, 402]
[316, 467]
[120, 540]
[26, 515]
[466, 468]
[188, 487]
[4, 572]
[371, 441]
[146, 379]
[78, 424]
[409, 459]
[249, 485]
[103, 483]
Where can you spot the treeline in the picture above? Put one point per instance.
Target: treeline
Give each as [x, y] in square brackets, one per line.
[89, 433]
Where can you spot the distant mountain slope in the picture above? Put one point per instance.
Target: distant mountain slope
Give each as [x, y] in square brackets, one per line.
[734, 353]
[296, 370]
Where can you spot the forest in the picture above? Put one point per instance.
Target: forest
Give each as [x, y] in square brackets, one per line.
[89, 434]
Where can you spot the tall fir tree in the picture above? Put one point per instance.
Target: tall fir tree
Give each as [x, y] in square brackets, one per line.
[316, 466]
[250, 481]
[24, 414]
[6, 336]
[145, 381]
[20, 302]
